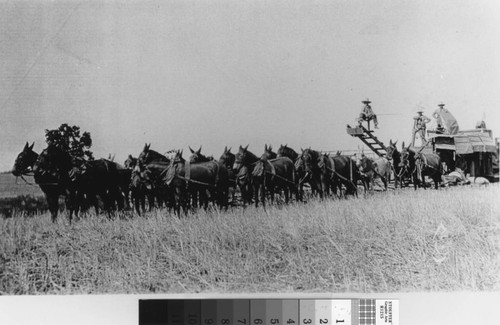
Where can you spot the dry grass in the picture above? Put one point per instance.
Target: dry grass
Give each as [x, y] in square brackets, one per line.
[394, 241]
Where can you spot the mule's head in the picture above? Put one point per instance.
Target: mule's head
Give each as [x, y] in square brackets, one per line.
[145, 155]
[197, 156]
[364, 163]
[285, 151]
[130, 162]
[269, 153]
[241, 158]
[25, 160]
[391, 150]
[407, 156]
[307, 160]
[227, 158]
[178, 157]
[323, 161]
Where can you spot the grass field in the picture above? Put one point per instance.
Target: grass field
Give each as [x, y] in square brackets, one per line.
[395, 241]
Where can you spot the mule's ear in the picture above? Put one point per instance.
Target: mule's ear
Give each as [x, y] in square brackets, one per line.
[270, 148]
[26, 146]
[192, 151]
[229, 150]
[32, 145]
[403, 145]
[225, 149]
[246, 147]
[302, 150]
[265, 147]
[199, 150]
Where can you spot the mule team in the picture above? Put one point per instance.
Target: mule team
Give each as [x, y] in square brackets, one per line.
[180, 184]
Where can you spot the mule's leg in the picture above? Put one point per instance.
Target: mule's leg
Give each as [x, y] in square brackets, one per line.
[53, 203]
[269, 185]
[203, 198]
[263, 193]
[256, 194]
[286, 192]
[136, 199]
[436, 181]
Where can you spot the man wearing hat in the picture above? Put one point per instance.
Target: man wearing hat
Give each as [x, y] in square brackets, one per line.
[437, 116]
[445, 120]
[367, 114]
[419, 126]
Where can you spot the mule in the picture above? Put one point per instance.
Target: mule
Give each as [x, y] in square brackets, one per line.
[51, 173]
[141, 188]
[189, 178]
[227, 160]
[371, 169]
[307, 164]
[157, 164]
[273, 175]
[243, 166]
[344, 173]
[420, 165]
[394, 157]
[209, 192]
[102, 178]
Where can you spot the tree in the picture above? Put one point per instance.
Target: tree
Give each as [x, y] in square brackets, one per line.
[69, 139]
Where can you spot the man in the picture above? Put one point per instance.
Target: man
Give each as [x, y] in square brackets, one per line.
[367, 114]
[437, 116]
[445, 120]
[420, 125]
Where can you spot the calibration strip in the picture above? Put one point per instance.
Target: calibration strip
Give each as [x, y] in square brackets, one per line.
[269, 312]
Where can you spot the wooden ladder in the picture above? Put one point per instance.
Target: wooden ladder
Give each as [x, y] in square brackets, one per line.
[367, 137]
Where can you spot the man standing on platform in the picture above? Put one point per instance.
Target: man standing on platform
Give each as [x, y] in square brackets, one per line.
[445, 120]
[420, 126]
[367, 114]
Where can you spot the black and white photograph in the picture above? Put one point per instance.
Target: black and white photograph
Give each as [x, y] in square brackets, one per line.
[249, 147]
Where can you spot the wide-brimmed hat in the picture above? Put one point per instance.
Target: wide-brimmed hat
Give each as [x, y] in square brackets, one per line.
[419, 111]
[441, 104]
[366, 101]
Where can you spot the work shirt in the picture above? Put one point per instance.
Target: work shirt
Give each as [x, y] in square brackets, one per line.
[367, 110]
[421, 121]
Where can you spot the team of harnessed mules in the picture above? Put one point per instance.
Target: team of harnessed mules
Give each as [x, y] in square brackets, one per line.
[80, 181]
[179, 183]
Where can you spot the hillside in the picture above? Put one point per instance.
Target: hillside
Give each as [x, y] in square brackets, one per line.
[9, 188]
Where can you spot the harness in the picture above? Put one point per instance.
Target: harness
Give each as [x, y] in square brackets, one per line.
[273, 172]
[187, 175]
[421, 164]
[340, 176]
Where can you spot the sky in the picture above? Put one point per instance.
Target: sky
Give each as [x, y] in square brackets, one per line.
[225, 73]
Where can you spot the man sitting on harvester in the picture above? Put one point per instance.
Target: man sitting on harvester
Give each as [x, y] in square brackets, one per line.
[367, 114]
